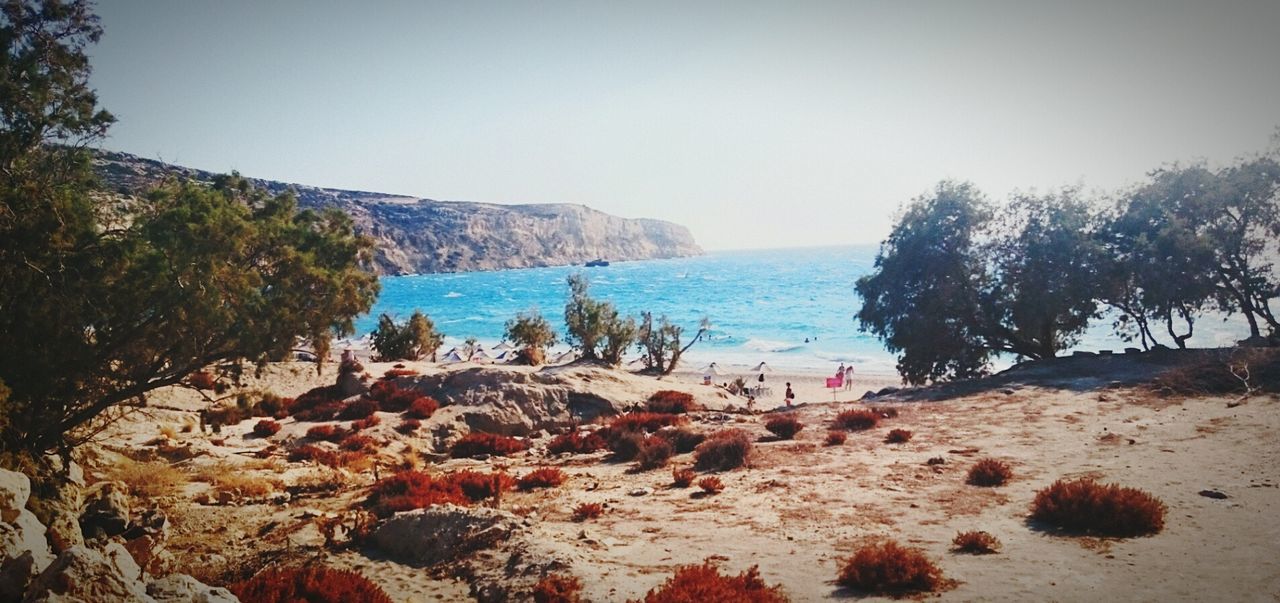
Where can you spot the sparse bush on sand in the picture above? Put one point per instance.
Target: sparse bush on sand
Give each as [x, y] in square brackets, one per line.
[1086, 506]
[587, 511]
[576, 442]
[683, 439]
[724, 450]
[897, 436]
[835, 438]
[682, 477]
[711, 484]
[626, 446]
[477, 443]
[366, 423]
[399, 372]
[314, 584]
[543, 477]
[408, 426]
[357, 442]
[643, 421]
[890, 568]
[327, 433]
[989, 473]
[671, 402]
[422, 408]
[857, 419]
[784, 426]
[557, 588]
[976, 542]
[409, 490]
[653, 454]
[266, 428]
[147, 480]
[357, 409]
[706, 583]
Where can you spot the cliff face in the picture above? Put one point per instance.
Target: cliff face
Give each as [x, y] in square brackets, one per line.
[423, 235]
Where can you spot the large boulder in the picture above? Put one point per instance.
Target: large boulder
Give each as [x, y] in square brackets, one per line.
[181, 588]
[145, 539]
[24, 551]
[443, 533]
[57, 503]
[15, 489]
[83, 574]
[106, 510]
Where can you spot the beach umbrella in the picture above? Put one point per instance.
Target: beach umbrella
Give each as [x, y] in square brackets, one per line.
[762, 368]
[481, 357]
[712, 369]
[566, 357]
[502, 347]
[451, 356]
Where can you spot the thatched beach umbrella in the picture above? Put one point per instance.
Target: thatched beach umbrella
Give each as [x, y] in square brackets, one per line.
[761, 368]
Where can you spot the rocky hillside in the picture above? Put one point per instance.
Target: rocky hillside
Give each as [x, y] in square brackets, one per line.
[424, 235]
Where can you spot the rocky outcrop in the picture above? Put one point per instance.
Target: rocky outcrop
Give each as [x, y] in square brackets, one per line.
[423, 235]
[181, 588]
[24, 551]
[443, 533]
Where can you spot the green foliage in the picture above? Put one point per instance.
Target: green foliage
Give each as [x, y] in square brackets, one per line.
[533, 334]
[593, 327]
[661, 342]
[412, 340]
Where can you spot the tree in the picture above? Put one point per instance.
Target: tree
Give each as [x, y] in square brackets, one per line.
[661, 342]
[416, 338]
[619, 334]
[533, 334]
[469, 347]
[594, 327]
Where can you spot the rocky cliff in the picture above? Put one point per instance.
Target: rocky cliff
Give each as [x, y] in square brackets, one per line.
[423, 235]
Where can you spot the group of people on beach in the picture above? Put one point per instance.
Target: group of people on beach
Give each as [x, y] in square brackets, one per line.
[845, 375]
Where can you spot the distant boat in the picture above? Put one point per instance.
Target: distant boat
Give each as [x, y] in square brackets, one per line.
[597, 263]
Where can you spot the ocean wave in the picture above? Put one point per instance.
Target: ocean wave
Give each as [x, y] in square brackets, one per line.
[767, 345]
[453, 294]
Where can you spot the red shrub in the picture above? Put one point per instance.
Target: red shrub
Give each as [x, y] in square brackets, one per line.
[705, 583]
[671, 402]
[835, 438]
[399, 372]
[654, 453]
[857, 419]
[416, 490]
[557, 589]
[366, 423]
[327, 433]
[318, 404]
[897, 436]
[888, 567]
[311, 452]
[978, 543]
[390, 398]
[683, 439]
[357, 443]
[1105, 509]
[315, 584]
[544, 477]
[682, 478]
[626, 445]
[422, 408]
[643, 421]
[784, 426]
[479, 486]
[576, 442]
[266, 428]
[476, 443]
[724, 450]
[885, 412]
[357, 409]
[989, 473]
[323, 411]
[202, 380]
[408, 426]
[587, 511]
[711, 485]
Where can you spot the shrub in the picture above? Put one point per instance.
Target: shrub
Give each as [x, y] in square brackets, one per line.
[643, 421]
[324, 411]
[476, 443]
[311, 452]
[683, 439]
[785, 426]
[711, 484]
[272, 405]
[202, 380]
[671, 402]
[978, 543]
[317, 404]
[835, 438]
[544, 477]
[315, 584]
[478, 486]
[705, 583]
[409, 341]
[654, 453]
[724, 450]
[857, 419]
[682, 478]
[266, 428]
[885, 412]
[327, 433]
[1105, 509]
[366, 423]
[410, 490]
[399, 372]
[989, 473]
[576, 442]
[532, 334]
[587, 511]
[422, 408]
[626, 445]
[556, 588]
[1219, 373]
[888, 567]
[408, 426]
[897, 436]
[357, 442]
[357, 409]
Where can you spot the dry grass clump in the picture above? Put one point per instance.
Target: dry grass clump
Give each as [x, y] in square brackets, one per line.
[239, 484]
[1086, 506]
[477, 443]
[835, 438]
[147, 480]
[897, 436]
[357, 409]
[358, 442]
[408, 426]
[422, 408]
[556, 588]
[543, 477]
[976, 542]
[576, 442]
[989, 473]
[315, 584]
[723, 450]
[587, 511]
[1231, 372]
[328, 458]
[711, 484]
[857, 419]
[706, 583]
[409, 490]
[366, 423]
[671, 402]
[399, 372]
[327, 433]
[266, 428]
[890, 568]
[784, 426]
[683, 439]
[885, 412]
[654, 453]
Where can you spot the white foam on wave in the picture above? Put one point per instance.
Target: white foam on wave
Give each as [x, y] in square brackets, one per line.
[453, 294]
[770, 346]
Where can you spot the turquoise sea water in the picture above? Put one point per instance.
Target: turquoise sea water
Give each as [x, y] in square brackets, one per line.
[763, 304]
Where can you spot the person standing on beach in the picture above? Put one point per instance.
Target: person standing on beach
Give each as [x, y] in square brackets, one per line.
[790, 395]
[848, 378]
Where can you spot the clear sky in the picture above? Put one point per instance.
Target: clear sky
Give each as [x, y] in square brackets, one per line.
[754, 124]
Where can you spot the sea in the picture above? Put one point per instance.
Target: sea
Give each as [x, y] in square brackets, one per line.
[792, 309]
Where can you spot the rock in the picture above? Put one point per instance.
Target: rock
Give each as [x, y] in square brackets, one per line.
[181, 588]
[56, 503]
[106, 510]
[443, 532]
[1132, 351]
[83, 574]
[24, 553]
[15, 490]
[1213, 494]
[640, 492]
